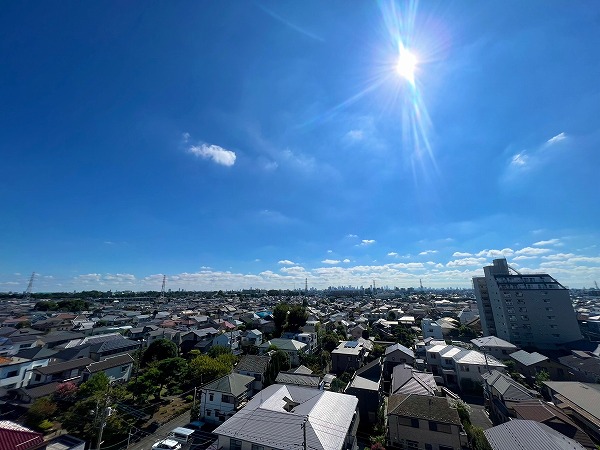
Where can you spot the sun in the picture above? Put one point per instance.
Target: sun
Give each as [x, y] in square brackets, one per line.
[406, 65]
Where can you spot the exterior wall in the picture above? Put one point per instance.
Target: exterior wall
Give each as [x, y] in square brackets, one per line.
[23, 375]
[512, 306]
[217, 403]
[430, 328]
[120, 373]
[341, 362]
[399, 433]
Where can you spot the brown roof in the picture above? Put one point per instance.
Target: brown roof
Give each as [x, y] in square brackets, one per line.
[553, 417]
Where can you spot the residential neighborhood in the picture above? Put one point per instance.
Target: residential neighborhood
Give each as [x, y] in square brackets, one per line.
[329, 370]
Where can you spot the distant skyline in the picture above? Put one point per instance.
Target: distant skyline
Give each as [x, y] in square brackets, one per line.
[256, 144]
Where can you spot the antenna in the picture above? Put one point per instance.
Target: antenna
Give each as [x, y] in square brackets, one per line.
[27, 294]
[306, 285]
[596, 283]
[421, 283]
[162, 291]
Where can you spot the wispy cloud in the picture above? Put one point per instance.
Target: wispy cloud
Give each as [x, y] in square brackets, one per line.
[346, 261]
[428, 252]
[352, 236]
[392, 254]
[366, 242]
[548, 242]
[217, 154]
[555, 139]
[290, 24]
[532, 251]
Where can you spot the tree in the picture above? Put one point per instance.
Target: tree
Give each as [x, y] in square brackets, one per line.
[296, 318]
[217, 350]
[168, 372]
[159, 350]
[66, 392]
[279, 361]
[540, 377]
[96, 386]
[280, 317]
[203, 368]
[41, 409]
[330, 342]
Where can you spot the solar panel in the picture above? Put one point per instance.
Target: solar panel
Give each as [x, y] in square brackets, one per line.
[351, 344]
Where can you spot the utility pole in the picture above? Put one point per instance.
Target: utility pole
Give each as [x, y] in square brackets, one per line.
[304, 446]
[105, 412]
[162, 291]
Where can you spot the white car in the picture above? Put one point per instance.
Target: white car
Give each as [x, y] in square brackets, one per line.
[167, 444]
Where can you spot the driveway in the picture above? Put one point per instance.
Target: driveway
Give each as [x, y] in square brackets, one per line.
[479, 417]
[160, 433]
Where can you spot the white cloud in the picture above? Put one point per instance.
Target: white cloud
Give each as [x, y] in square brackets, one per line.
[351, 236]
[466, 262]
[355, 135]
[286, 262]
[366, 242]
[346, 260]
[329, 251]
[559, 256]
[559, 137]
[522, 257]
[217, 154]
[461, 254]
[548, 242]
[331, 261]
[519, 160]
[532, 251]
[428, 252]
[392, 254]
[495, 253]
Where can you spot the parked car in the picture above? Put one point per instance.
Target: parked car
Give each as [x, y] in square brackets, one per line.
[167, 444]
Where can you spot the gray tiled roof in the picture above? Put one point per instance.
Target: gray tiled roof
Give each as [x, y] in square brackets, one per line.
[253, 364]
[298, 379]
[109, 363]
[530, 435]
[266, 421]
[423, 407]
[401, 348]
[234, 383]
[528, 359]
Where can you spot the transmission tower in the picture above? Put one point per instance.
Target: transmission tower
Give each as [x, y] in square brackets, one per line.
[305, 285]
[27, 295]
[162, 291]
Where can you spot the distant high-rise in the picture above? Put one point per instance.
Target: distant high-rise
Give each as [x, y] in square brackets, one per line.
[532, 310]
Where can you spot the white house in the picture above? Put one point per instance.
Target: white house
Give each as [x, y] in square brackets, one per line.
[432, 329]
[285, 417]
[220, 399]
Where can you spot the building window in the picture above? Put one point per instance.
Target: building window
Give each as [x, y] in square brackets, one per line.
[124, 369]
[258, 447]
[12, 373]
[432, 426]
[445, 447]
[208, 412]
[235, 444]
[551, 317]
[211, 397]
[524, 317]
[553, 326]
[523, 309]
[549, 309]
[412, 445]
[414, 423]
[227, 398]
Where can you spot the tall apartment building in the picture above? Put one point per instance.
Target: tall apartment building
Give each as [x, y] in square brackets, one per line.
[532, 310]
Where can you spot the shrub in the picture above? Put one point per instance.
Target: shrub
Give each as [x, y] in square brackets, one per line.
[45, 425]
[189, 398]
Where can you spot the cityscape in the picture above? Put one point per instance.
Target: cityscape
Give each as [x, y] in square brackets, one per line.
[317, 225]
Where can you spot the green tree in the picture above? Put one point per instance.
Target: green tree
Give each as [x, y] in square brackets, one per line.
[41, 409]
[96, 386]
[203, 369]
[296, 318]
[280, 361]
[159, 350]
[330, 342]
[540, 377]
[280, 313]
[217, 350]
[171, 372]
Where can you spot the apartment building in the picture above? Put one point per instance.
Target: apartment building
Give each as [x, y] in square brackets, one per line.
[528, 310]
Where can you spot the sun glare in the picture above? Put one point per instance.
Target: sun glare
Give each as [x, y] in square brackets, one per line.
[406, 65]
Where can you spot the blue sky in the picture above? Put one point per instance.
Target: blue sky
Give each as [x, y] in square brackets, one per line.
[255, 144]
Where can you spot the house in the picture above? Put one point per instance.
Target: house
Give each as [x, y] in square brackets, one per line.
[348, 356]
[283, 417]
[580, 401]
[406, 380]
[459, 366]
[254, 366]
[431, 329]
[422, 421]
[555, 418]
[221, 398]
[291, 346]
[299, 378]
[501, 394]
[17, 437]
[230, 340]
[366, 386]
[494, 346]
[530, 364]
[252, 338]
[395, 355]
[519, 434]
[116, 368]
[582, 366]
[14, 371]
[60, 372]
[198, 340]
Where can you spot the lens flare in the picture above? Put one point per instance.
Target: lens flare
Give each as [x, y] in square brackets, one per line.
[406, 65]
